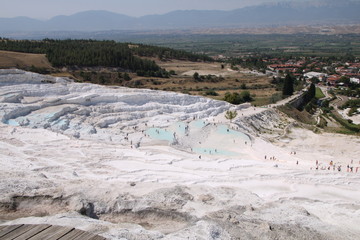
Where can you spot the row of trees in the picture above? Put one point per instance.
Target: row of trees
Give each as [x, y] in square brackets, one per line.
[253, 62]
[165, 53]
[91, 53]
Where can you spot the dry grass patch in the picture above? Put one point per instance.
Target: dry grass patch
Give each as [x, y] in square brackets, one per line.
[23, 60]
[231, 81]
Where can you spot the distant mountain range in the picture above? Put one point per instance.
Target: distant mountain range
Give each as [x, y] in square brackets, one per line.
[334, 12]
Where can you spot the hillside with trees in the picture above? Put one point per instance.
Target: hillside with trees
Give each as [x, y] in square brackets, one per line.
[165, 53]
[91, 53]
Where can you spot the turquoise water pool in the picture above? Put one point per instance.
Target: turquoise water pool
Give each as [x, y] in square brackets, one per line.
[199, 124]
[46, 116]
[180, 128]
[224, 130]
[30, 119]
[213, 151]
[160, 134]
[12, 122]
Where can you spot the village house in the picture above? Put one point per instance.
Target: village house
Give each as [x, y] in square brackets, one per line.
[355, 80]
[332, 80]
[319, 75]
[292, 68]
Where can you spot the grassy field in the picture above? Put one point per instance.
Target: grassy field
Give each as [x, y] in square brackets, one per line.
[234, 45]
[222, 80]
[213, 79]
[319, 94]
[23, 60]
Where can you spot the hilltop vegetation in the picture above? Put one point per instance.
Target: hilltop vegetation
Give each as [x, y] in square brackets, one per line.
[90, 53]
[166, 53]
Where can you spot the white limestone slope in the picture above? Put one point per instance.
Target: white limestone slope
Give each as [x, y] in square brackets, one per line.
[71, 153]
[82, 109]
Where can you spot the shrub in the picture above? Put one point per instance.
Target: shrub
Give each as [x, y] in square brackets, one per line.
[211, 93]
[236, 98]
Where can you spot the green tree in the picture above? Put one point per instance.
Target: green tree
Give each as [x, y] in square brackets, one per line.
[309, 95]
[102, 80]
[230, 115]
[196, 76]
[233, 98]
[315, 80]
[245, 96]
[127, 77]
[236, 98]
[345, 80]
[312, 91]
[288, 88]
[211, 93]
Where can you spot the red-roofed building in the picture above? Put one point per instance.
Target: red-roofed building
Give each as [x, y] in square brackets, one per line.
[284, 67]
[352, 75]
[333, 79]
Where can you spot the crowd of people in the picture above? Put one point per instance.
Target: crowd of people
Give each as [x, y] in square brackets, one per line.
[336, 167]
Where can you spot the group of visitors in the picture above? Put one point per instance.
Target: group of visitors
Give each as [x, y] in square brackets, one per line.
[332, 166]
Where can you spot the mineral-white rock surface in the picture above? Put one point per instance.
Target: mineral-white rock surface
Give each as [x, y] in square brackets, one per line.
[141, 164]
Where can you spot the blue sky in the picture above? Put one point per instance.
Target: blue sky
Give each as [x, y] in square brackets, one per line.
[45, 9]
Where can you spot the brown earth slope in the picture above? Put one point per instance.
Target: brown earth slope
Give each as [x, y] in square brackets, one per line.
[23, 60]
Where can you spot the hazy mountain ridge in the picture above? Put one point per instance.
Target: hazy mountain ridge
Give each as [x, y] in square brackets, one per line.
[286, 13]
